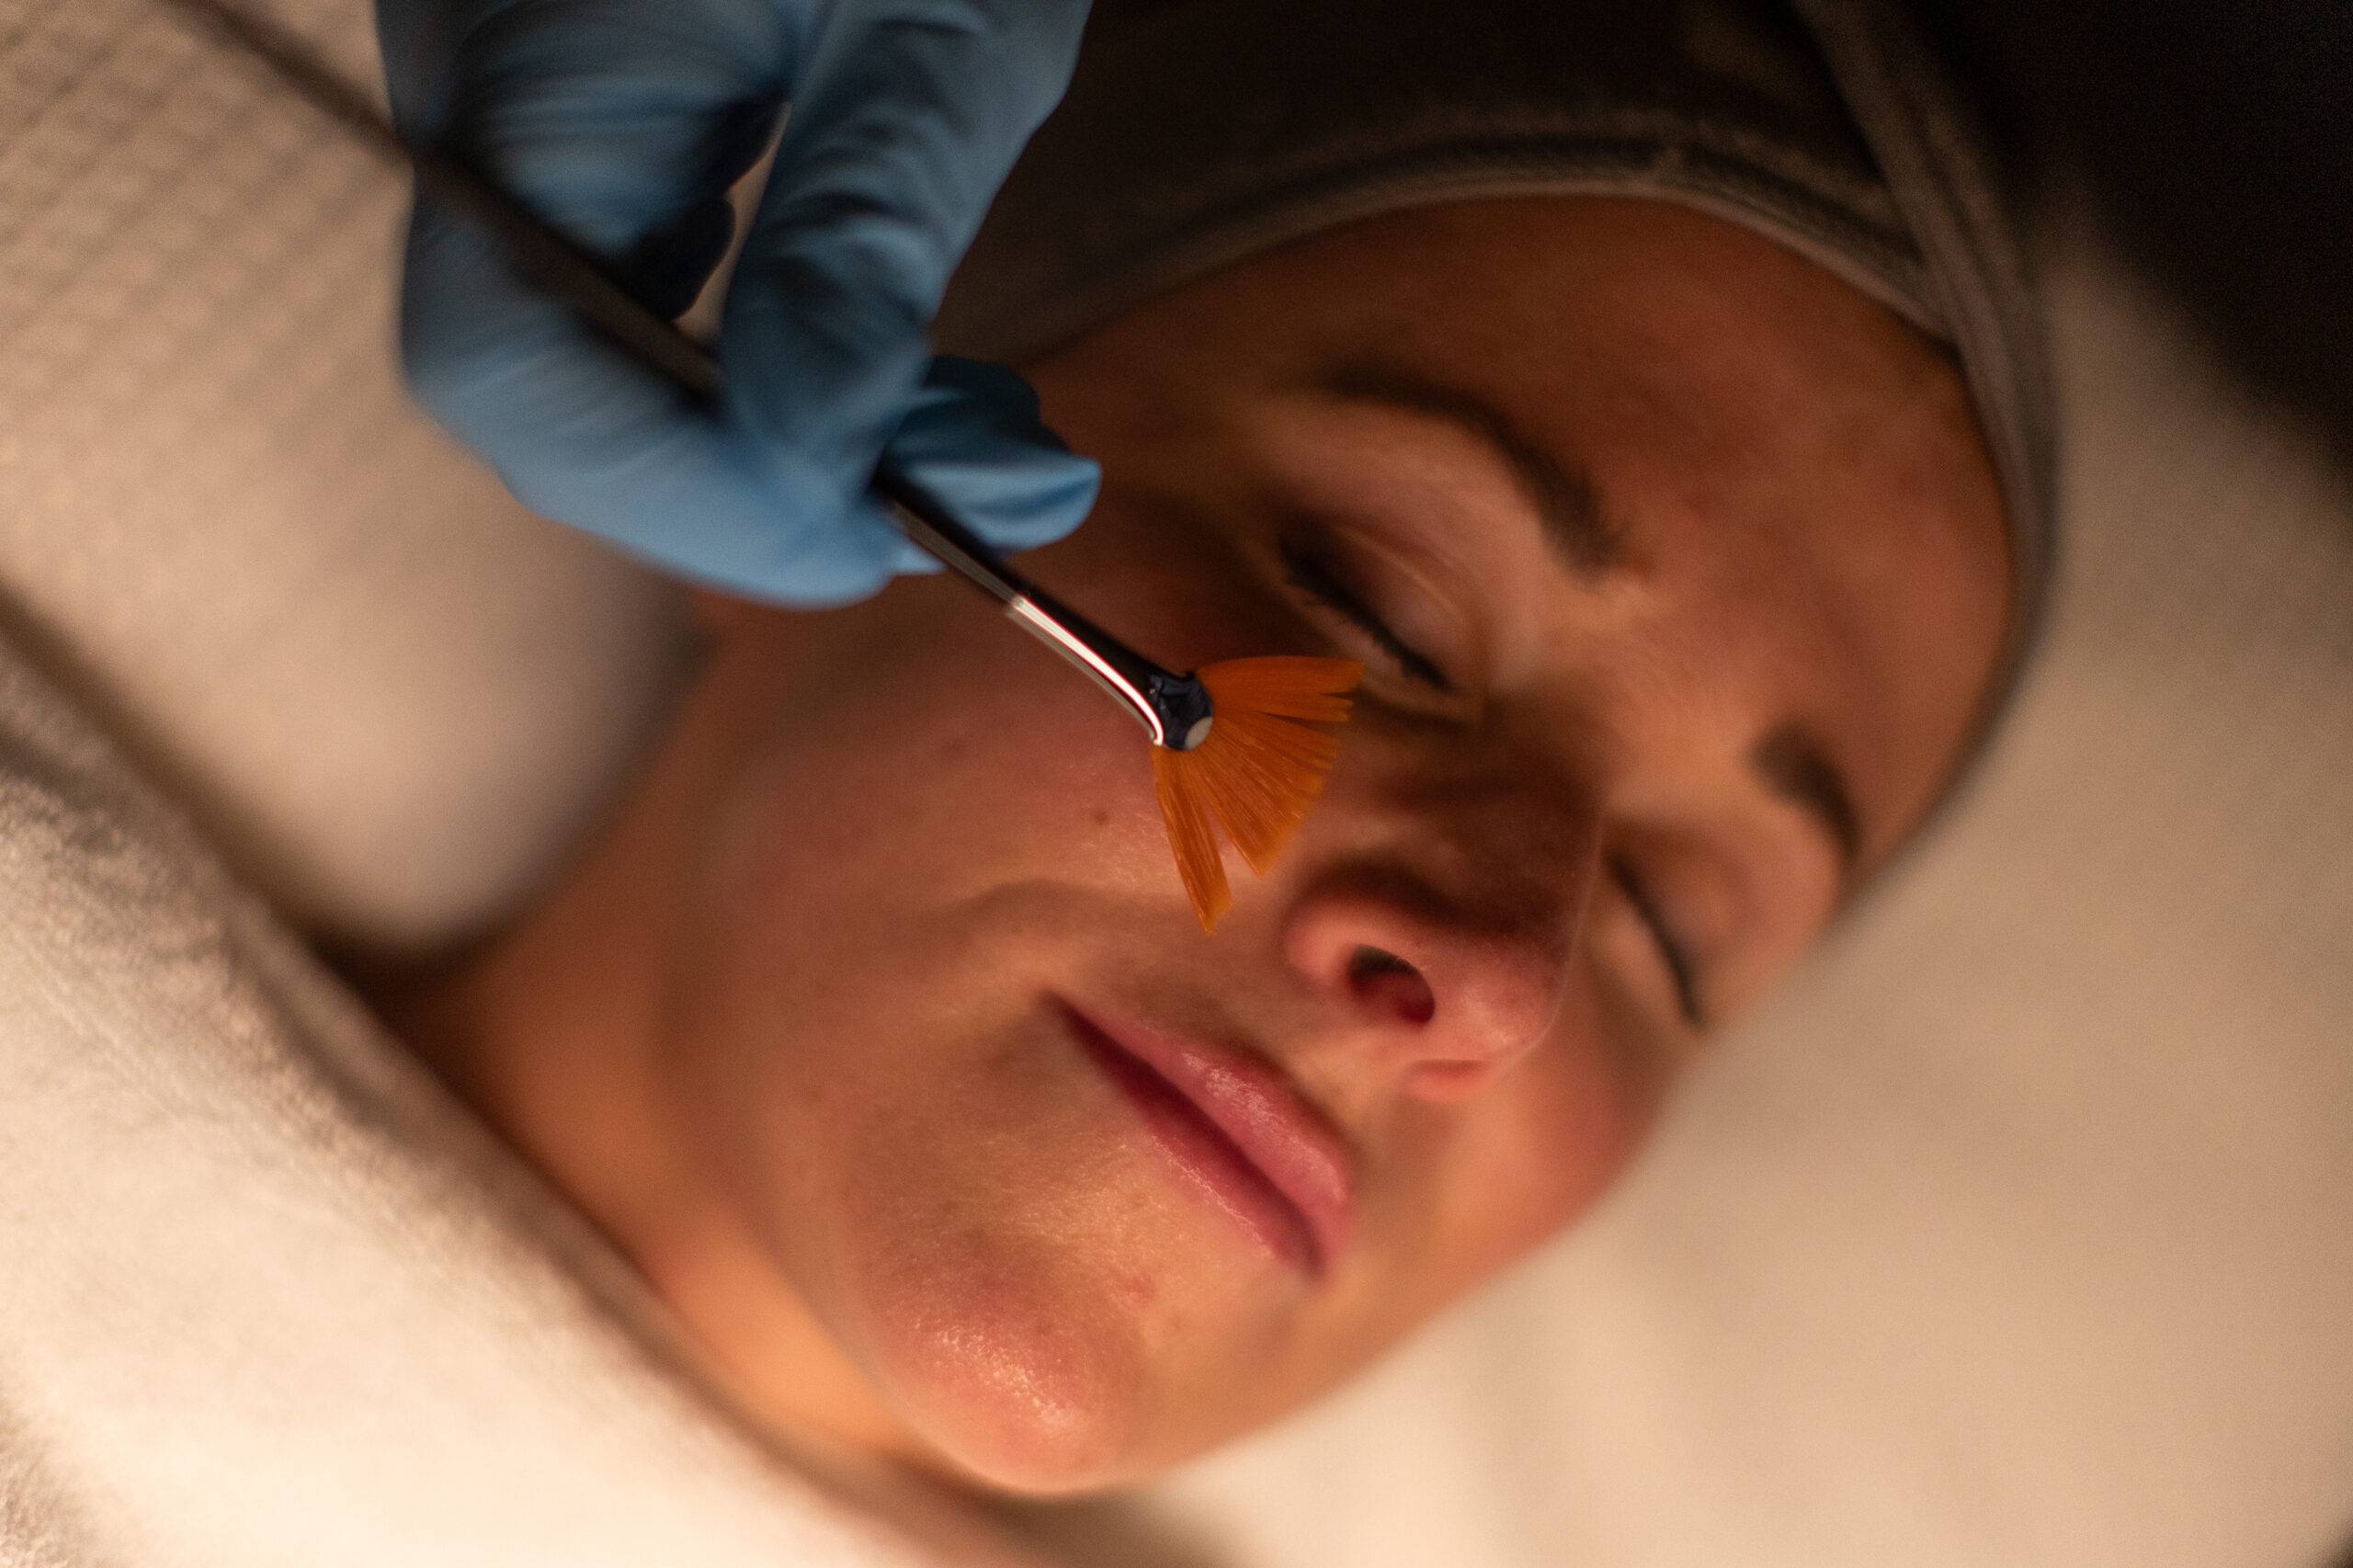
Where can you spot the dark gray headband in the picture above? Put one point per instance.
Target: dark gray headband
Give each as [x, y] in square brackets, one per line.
[1197, 132]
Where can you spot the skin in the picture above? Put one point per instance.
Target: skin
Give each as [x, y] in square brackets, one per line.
[786, 1031]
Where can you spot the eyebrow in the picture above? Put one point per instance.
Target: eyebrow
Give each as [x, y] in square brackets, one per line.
[1790, 760]
[1566, 504]
[1795, 766]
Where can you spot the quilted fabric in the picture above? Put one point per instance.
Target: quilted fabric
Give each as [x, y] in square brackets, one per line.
[392, 696]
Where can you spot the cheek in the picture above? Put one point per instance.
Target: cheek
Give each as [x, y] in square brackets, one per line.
[930, 754]
[1536, 1152]
[967, 1272]
[938, 822]
[890, 866]
[1482, 1182]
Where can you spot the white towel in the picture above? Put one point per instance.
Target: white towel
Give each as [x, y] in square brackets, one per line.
[272, 1295]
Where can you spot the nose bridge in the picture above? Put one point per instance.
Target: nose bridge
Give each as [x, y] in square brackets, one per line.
[1478, 885]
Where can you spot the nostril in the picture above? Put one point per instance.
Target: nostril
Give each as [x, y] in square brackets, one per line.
[1387, 981]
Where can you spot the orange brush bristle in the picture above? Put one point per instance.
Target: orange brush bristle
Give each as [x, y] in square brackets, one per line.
[1259, 771]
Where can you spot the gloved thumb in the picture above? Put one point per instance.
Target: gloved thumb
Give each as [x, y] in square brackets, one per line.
[972, 439]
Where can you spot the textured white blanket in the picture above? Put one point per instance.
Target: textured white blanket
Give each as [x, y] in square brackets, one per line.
[270, 1295]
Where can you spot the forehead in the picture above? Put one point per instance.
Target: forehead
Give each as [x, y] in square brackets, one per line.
[1814, 523]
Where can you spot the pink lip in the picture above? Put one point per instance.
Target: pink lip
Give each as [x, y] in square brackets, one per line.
[1290, 1159]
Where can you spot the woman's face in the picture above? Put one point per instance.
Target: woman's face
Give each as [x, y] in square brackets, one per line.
[1677, 569]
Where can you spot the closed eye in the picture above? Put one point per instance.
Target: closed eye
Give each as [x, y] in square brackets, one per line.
[1677, 958]
[1319, 582]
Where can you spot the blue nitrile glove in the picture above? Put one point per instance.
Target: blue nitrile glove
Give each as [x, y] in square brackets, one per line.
[623, 122]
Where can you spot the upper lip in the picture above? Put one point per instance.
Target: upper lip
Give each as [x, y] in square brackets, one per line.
[1254, 1102]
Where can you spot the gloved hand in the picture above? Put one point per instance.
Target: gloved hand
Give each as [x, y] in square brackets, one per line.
[623, 122]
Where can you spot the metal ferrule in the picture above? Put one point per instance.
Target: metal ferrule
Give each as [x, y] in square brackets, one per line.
[1173, 708]
[1104, 673]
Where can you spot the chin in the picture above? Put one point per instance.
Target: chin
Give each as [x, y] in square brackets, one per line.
[1017, 1382]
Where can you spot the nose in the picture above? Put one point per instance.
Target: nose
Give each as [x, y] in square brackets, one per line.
[1450, 992]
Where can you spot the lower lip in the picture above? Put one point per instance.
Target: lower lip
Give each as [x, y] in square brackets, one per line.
[1206, 1155]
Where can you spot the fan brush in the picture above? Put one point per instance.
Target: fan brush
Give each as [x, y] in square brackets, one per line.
[1233, 743]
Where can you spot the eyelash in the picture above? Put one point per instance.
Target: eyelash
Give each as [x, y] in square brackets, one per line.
[1308, 572]
[1679, 966]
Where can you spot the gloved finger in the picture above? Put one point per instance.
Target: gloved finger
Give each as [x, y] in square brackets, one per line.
[903, 127]
[973, 441]
[623, 125]
[669, 269]
[576, 427]
[613, 119]
[624, 454]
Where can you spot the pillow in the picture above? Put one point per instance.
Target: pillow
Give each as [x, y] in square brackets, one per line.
[392, 697]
